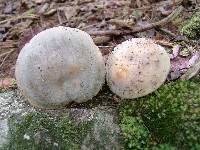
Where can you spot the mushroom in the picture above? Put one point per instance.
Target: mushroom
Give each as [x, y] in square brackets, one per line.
[58, 66]
[136, 68]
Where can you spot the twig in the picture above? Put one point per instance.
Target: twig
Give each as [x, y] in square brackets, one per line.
[59, 17]
[122, 23]
[164, 21]
[164, 43]
[19, 17]
[8, 44]
[101, 39]
[50, 12]
[7, 53]
[167, 32]
[105, 46]
[89, 26]
[4, 16]
[165, 3]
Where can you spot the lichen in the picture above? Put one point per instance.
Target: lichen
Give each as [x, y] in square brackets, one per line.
[191, 27]
[170, 115]
[41, 131]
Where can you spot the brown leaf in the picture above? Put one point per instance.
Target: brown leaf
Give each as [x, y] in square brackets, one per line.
[43, 9]
[122, 23]
[9, 8]
[39, 1]
[6, 83]
[50, 12]
[70, 12]
[191, 72]
[101, 39]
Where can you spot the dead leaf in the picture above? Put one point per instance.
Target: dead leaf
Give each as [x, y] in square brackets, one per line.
[9, 8]
[137, 14]
[129, 23]
[191, 72]
[185, 52]
[139, 3]
[101, 39]
[6, 83]
[70, 12]
[147, 34]
[180, 65]
[80, 2]
[50, 12]
[39, 1]
[43, 9]
[193, 59]
[175, 51]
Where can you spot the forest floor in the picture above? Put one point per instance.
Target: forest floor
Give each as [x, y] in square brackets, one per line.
[108, 21]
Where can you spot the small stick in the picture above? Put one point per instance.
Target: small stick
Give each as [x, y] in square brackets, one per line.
[105, 46]
[7, 53]
[59, 17]
[164, 43]
[169, 4]
[4, 59]
[164, 21]
[4, 16]
[167, 32]
[19, 17]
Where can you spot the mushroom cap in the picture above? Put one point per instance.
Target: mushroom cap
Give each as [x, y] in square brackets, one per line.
[136, 68]
[58, 66]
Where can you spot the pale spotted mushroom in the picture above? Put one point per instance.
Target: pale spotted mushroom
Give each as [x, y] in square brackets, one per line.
[136, 68]
[58, 66]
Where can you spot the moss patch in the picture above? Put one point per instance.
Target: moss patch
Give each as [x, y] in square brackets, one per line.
[191, 28]
[171, 115]
[164, 147]
[41, 131]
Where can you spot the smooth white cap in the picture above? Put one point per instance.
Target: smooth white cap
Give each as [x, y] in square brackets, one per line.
[137, 67]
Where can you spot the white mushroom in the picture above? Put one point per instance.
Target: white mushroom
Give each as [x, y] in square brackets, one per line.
[137, 67]
[58, 66]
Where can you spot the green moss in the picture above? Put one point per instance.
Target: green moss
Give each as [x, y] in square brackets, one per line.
[135, 133]
[170, 115]
[164, 147]
[191, 28]
[40, 131]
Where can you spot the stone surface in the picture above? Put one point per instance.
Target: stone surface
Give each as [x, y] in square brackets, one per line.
[103, 131]
[3, 131]
[11, 103]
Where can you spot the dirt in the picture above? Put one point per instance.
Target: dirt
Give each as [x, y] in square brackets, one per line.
[21, 20]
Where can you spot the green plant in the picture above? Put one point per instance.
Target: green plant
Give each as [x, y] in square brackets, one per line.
[135, 133]
[171, 114]
[40, 131]
[164, 147]
[191, 28]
